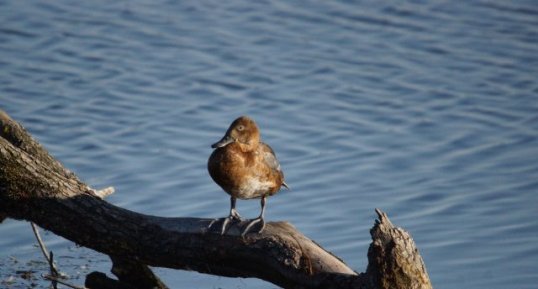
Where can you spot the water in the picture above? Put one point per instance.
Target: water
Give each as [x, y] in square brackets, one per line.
[428, 111]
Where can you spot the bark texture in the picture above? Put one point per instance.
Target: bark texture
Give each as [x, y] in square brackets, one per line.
[36, 187]
[393, 259]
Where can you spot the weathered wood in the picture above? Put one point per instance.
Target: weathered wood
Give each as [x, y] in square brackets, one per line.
[393, 259]
[15, 134]
[135, 273]
[35, 187]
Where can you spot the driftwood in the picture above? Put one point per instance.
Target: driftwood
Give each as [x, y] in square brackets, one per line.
[37, 188]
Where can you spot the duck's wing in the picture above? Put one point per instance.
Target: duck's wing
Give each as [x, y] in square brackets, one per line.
[271, 160]
[269, 157]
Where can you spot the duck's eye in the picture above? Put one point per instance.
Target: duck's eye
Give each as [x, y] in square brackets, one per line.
[240, 128]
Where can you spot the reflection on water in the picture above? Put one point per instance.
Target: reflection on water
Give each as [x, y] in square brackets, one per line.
[428, 111]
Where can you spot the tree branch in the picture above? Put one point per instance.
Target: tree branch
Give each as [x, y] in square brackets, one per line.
[36, 187]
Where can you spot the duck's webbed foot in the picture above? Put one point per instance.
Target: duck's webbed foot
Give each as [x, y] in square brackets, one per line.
[224, 226]
[228, 221]
[235, 215]
[251, 224]
[258, 221]
[232, 218]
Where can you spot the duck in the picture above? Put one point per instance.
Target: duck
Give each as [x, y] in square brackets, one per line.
[245, 168]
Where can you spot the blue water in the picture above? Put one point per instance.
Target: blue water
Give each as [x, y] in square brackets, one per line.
[428, 111]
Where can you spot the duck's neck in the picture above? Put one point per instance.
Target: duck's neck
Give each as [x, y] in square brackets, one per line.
[248, 147]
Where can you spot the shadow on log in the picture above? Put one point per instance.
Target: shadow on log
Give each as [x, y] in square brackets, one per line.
[37, 188]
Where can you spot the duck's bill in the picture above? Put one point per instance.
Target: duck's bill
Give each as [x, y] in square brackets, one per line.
[223, 142]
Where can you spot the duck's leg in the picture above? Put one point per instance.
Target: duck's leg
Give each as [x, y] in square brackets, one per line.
[234, 215]
[233, 212]
[259, 219]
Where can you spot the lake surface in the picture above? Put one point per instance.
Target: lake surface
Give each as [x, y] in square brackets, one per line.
[427, 110]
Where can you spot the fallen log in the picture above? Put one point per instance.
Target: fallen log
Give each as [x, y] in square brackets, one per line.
[37, 188]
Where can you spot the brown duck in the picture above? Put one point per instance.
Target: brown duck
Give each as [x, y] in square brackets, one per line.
[245, 168]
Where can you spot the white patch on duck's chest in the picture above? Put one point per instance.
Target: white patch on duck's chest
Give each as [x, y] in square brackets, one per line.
[253, 188]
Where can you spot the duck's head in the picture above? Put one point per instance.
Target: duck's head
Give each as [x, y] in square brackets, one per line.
[243, 131]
